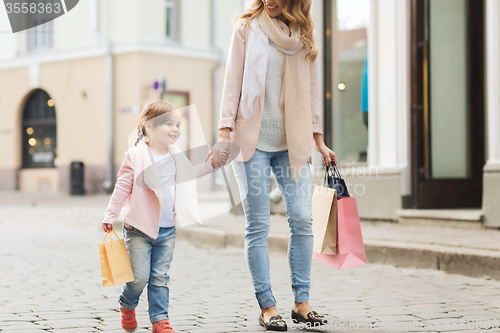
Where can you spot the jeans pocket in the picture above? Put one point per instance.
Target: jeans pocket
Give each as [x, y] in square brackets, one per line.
[128, 227]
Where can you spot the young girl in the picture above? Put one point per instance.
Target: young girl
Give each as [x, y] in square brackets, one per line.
[156, 186]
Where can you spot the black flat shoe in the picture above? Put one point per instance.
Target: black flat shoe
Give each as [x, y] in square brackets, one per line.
[275, 323]
[313, 319]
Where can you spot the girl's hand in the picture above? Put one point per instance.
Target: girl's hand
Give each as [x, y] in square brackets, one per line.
[221, 150]
[222, 158]
[108, 227]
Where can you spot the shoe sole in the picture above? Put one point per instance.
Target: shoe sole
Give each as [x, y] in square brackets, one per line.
[126, 330]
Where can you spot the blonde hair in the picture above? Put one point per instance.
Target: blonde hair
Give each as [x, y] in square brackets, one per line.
[298, 13]
[158, 111]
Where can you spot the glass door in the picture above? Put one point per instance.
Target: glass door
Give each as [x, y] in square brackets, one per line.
[447, 103]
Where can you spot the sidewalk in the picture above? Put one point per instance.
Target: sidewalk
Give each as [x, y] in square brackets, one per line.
[51, 283]
[474, 253]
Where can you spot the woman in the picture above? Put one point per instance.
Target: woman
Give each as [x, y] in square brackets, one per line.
[270, 109]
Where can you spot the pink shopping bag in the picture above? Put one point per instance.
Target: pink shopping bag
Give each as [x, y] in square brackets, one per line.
[350, 247]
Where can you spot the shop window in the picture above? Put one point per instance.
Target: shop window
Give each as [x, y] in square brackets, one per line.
[39, 137]
[349, 82]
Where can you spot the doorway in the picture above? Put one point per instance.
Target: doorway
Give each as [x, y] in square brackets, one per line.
[447, 113]
[39, 131]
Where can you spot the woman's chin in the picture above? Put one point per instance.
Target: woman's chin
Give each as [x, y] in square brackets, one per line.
[273, 13]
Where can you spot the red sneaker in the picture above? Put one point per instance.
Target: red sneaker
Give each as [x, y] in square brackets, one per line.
[162, 326]
[129, 323]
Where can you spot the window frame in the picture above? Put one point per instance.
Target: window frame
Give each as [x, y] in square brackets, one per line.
[174, 6]
[43, 30]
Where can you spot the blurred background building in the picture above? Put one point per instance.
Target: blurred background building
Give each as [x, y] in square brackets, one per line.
[72, 89]
[410, 96]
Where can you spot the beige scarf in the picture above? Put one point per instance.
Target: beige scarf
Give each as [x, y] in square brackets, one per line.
[295, 97]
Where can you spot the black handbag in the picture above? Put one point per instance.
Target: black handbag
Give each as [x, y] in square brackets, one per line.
[334, 180]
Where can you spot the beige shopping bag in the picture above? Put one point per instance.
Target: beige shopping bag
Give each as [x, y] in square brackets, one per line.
[115, 263]
[324, 215]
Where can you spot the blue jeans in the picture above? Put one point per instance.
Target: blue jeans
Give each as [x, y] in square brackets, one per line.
[253, 181]
[150, 260]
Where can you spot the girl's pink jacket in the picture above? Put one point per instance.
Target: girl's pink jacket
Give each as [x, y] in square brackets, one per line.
[138, 190]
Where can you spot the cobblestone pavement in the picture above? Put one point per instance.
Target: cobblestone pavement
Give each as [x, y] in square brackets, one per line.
[50, 282]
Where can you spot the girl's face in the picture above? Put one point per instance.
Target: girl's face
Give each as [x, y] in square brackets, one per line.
[167, 133]
[275, 8]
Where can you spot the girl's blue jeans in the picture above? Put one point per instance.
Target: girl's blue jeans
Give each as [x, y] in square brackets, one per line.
[253, 181]
[150, 260]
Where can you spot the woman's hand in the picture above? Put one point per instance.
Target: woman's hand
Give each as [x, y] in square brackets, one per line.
[328, 154]
[222, 159]
[221, 150]
[108, 227]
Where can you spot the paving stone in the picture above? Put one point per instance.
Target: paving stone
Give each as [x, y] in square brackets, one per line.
[71, 323]
[389, 318]
[22, 329]
[436, 315]
[76, 330]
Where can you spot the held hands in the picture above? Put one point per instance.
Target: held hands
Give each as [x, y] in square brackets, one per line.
[223, 156]
[219, 153]
[222, 159]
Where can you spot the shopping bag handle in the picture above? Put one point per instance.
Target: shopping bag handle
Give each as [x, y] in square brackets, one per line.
[322, 179]
[327, 172]
[335, 170]
[111, 238]
[331, 172]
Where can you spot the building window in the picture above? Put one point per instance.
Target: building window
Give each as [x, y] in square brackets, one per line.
[39, 135]
[41, 36]
[172, 19]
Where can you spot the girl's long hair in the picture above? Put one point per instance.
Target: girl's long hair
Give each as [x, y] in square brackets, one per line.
[159, 112]
[298, 13]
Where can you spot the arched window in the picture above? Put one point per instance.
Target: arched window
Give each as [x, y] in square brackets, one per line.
[39, 131]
